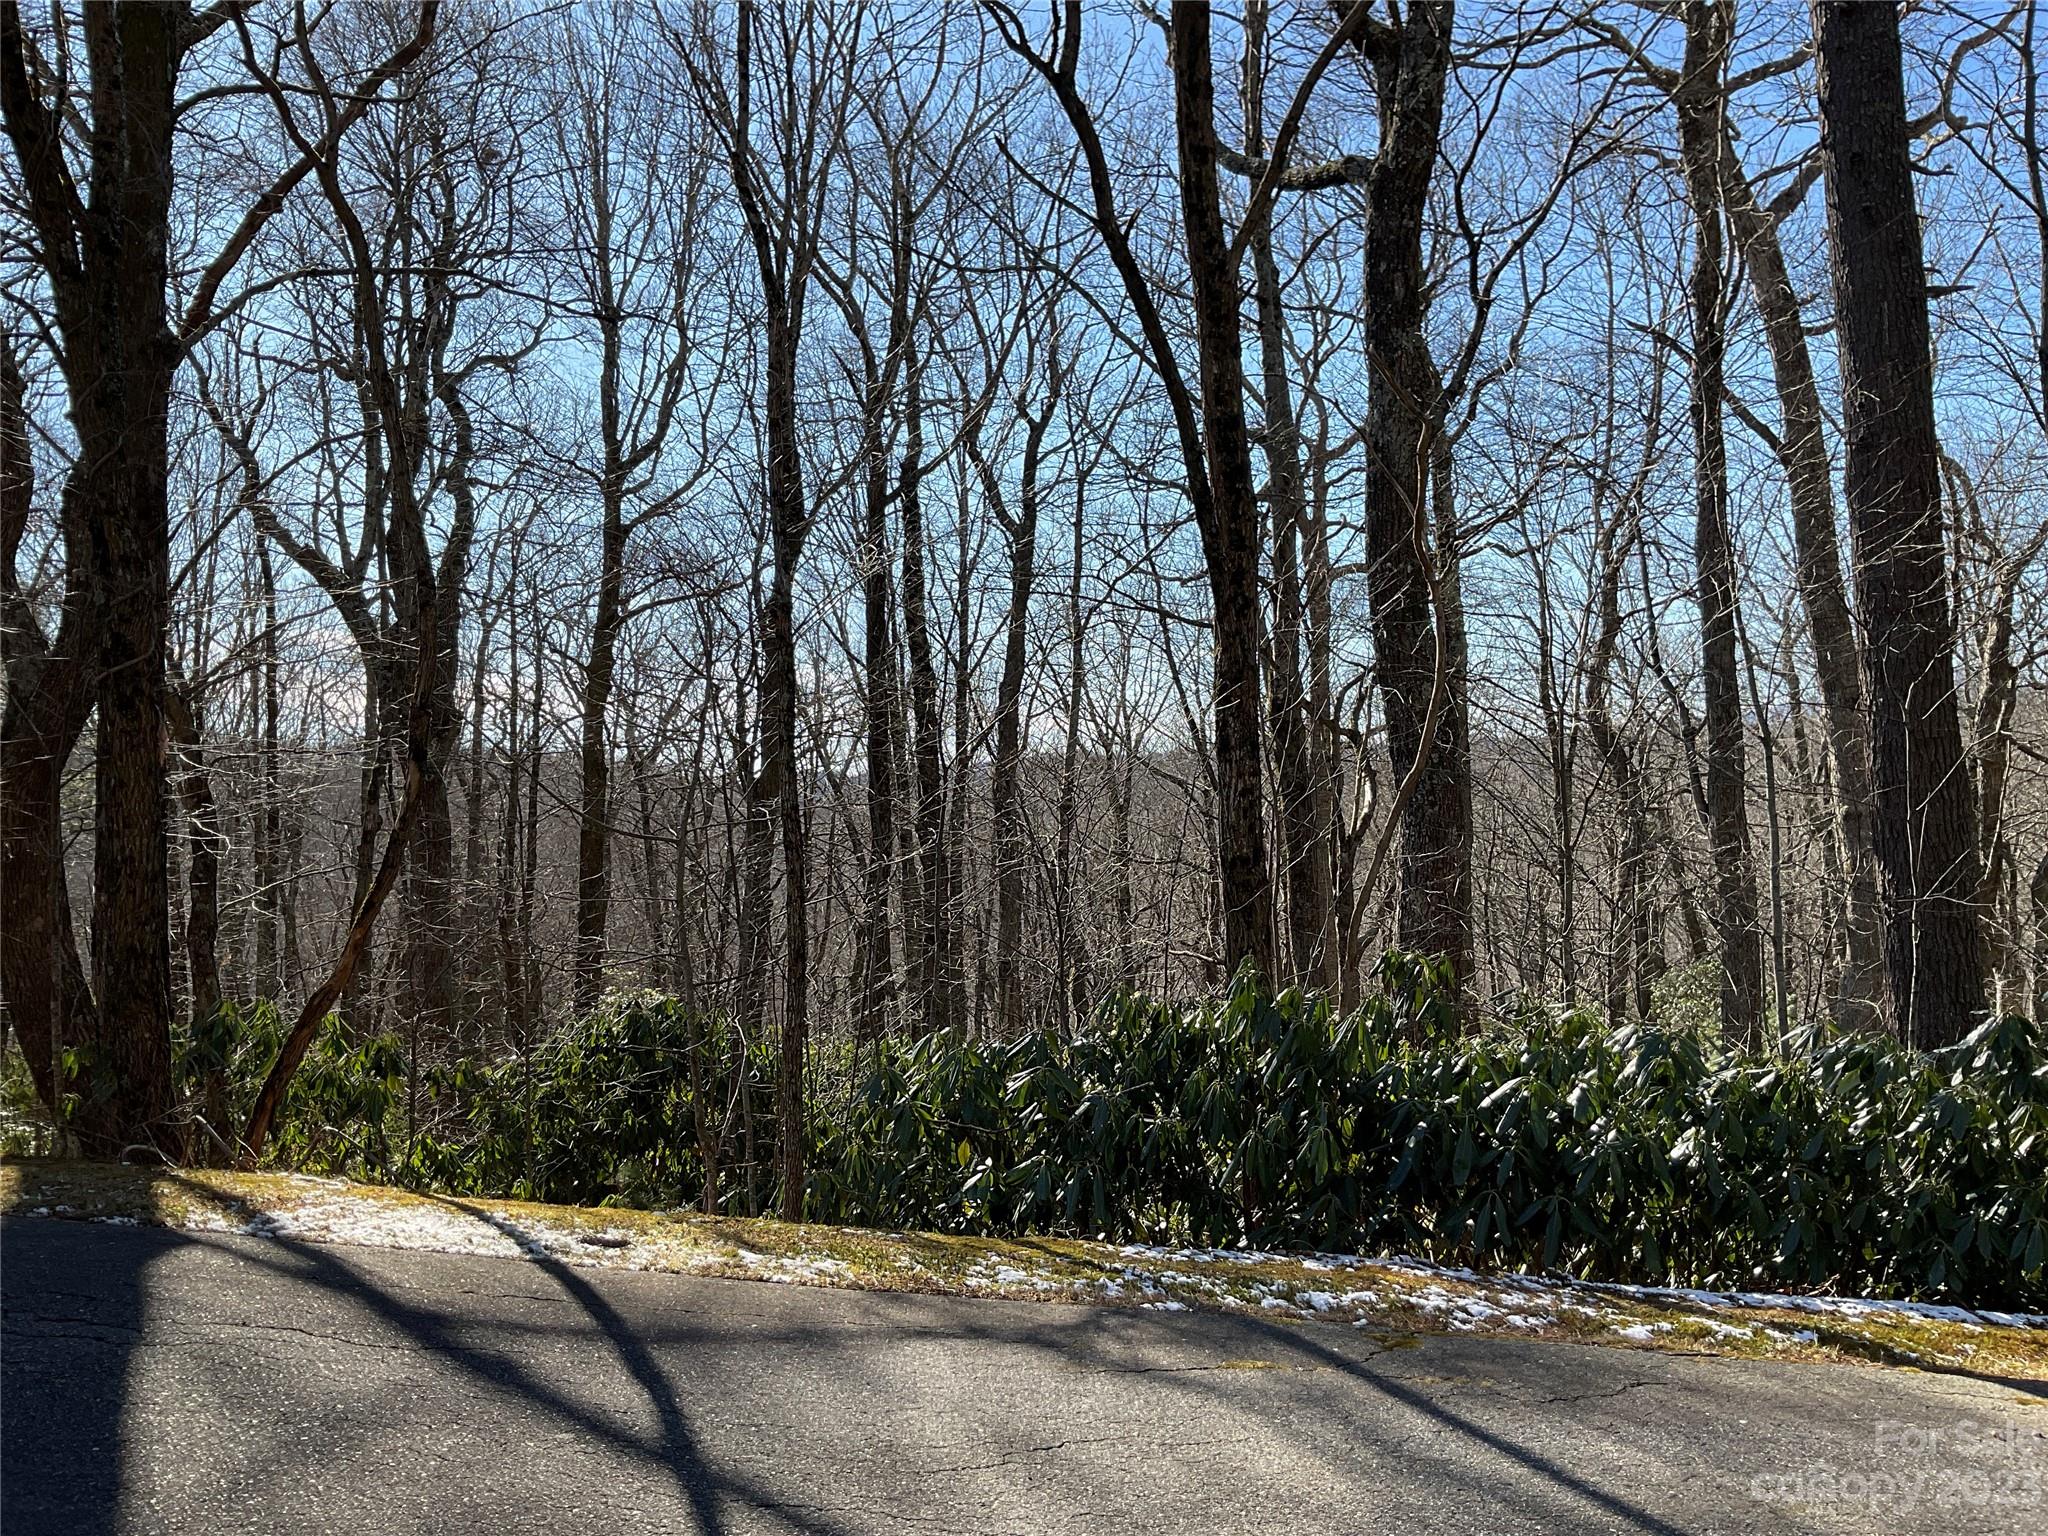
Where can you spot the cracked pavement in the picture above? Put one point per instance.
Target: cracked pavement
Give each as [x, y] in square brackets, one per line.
[156, 1381]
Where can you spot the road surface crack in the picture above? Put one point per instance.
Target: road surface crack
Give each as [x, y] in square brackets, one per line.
[1588, 1397]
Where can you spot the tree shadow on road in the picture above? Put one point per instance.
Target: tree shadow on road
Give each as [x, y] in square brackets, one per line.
[71, 1328]
[1099, 1341]
[77, 1304]
[675, 1453]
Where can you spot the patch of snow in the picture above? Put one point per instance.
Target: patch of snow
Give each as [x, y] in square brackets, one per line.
[793, 1269]
[1851, 1307]
[1642, 1333]
[1723, 1330]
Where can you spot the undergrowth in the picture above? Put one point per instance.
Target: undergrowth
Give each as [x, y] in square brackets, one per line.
[1548, 1141]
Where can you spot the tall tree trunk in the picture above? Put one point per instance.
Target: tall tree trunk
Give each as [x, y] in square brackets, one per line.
[431, 873]
[1326, 784]
[108, 260]
[532, 999]
[511, 987]
[1925, 804]
[784, 256]
[202, 877]
[1617, 526]
[1304, 830]
[362, 922]
[928, 932]
[1229, 524]
[756, 880]
[878, 699]
[1403, 429]
[650, 868]
[1700, 101]
[593, 825]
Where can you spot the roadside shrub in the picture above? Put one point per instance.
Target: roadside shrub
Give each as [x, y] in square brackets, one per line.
[338, 1112]
[605, 1110]
[1549, 1141]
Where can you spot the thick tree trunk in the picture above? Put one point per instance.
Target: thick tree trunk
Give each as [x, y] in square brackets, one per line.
[107, 258]
[1403, 425]
[785, 251]
[1923, 798]
[787, 525]
[1230, 523]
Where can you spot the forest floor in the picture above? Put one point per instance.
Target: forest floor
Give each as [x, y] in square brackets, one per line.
[1388, 1297]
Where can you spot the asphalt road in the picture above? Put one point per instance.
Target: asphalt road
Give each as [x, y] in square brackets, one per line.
[161, 1382]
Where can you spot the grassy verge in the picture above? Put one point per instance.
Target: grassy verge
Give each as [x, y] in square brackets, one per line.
[1394, 1297]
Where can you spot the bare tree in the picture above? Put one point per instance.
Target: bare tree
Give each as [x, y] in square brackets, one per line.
[804, 123]
[106, 258]
[1925, 804]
